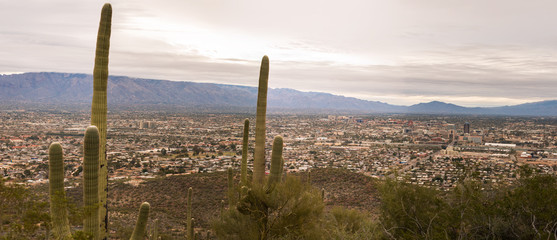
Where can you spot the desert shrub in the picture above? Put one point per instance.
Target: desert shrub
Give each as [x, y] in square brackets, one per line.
[293, 210]
[412, 212]
[344, 223]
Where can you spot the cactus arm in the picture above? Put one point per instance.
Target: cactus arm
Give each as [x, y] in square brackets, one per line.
[191, 235]
[155, 235]
[244, 171]
[276, 164]
[90, 182]
[141, 224]
[231, 198]
[60, 224]
[259, 156]
[99, 107]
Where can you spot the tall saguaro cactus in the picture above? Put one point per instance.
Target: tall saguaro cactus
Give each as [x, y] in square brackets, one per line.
[60, 224]
[91, 181]
[141, 224]
[259, 156]
[99, 108]
[244, 171]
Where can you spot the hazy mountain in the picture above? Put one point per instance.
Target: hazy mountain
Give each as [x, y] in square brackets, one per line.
[69, 88]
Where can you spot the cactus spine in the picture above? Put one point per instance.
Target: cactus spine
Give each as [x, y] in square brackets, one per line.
[244, 171]
[99, 107]
[60, 224]
[91, 181]
[276, 164]
[259, 156]
[140, 225]
[189, 227]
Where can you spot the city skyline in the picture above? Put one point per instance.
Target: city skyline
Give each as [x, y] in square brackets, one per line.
[470, 54]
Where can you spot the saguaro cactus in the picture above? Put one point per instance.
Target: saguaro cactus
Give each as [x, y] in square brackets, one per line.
[90, 181]
[155, 230]
[191, 235]
[99, 107]
[60, 224]
[231, 198]
[140, 225]
[276, 164]
[91, 224]
[189, 227]
[244, 171]
[255, 203]
[259, 156]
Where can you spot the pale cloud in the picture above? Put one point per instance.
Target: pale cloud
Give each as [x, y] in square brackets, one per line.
[472, 53]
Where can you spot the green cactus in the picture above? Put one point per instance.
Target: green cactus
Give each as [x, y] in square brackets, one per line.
[95, 222]
[99, 108]
[276, 165]
[256, 205]
[155, 230]
[259, 155]
[60, 224]
[189, 226]
[91, 182]
[141, 224]
[191, 234]
[91, 225]
[244, 171]
[309, 177]
[231, 198]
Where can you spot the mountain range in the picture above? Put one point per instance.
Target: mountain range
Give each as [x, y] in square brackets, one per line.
[72, 88]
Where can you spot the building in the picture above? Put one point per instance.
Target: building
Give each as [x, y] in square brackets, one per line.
[466, 127]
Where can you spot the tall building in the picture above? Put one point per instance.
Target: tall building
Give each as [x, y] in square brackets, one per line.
[466, 128]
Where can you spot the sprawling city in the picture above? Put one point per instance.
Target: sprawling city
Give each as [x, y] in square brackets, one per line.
[434, 151]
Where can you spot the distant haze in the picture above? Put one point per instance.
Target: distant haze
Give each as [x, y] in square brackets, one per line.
[74, 91]
[471, 53]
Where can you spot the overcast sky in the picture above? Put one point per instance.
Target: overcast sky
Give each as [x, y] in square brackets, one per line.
[467, 52]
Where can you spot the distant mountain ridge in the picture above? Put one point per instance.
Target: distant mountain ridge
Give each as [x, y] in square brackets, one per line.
[73, 88]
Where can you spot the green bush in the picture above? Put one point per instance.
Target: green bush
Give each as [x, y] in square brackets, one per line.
[294, 208]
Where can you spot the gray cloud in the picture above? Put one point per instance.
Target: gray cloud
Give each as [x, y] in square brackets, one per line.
[404, 52]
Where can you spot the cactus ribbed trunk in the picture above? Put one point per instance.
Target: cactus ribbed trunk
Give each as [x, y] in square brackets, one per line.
[141, 224]
[276, 164]
[155, 234]
[244, 166]
[99, 108]
[60, 224]
[231, 198]
[259, 156]
[189, 227]
[191, 235]
[91, 223]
